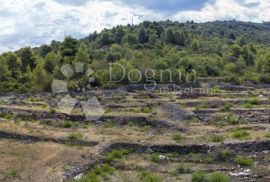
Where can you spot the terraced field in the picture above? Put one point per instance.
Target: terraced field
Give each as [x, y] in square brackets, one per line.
[223, 134]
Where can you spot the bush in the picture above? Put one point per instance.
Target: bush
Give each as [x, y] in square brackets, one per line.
[146, 110]
[232, 119]
[219, 177]
[267, 135]
[68, 124]
[180, 169]
[254, 101]
[217, 138]
[75, 136]
[240, 134]
[223, 155]
[243, 161]
[94, 174]
[226, 107]
[177, 137]
[149, 177]
[199, 177]
[116, 154]
[154, 158]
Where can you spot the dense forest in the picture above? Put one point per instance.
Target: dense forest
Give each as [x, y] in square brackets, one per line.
[236, 51]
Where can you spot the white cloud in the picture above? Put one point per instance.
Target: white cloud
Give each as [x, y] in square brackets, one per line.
[34, 22]
[244, 10]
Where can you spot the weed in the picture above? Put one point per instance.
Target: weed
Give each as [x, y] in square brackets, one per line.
[146, 176]
[219, 177]
[240, 134]
[146, 110]
[216, 138]
[181, 169]
[154, 158]
[223, 155]
[243, 161]
[116, 154]
[199, 177]
[177, 137]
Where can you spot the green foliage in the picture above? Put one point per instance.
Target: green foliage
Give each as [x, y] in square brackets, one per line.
[240, 134]
[219, 177]
[146, 176]
[154, 158]
[146, 110]
[181, 169]
[199, 177]
[98, 174]
[223, 155]
[149, 45]
[75, 136]
[116, 154]
[243, 161]
[227, 107]
[216, 138]
[177, 137]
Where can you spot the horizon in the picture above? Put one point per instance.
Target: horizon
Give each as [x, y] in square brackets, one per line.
[28, 23]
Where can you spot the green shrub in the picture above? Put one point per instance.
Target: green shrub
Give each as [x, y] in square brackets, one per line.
[146, 110]
[219, 177]
[226, 107]
[216, 89]
[146, 176]
[199, 177]
[98, 172]
[240, 134]
[254, 101]
[223, 155]
[154, 158]
[267, 135]
[68, 124]
[109, 124]
[177, 136]
[116, 154]
[217, 138]
[243, 161]
[75, 136]
[232, 119]
[180, 169]
[247, 105]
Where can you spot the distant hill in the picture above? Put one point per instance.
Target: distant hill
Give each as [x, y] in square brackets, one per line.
[236, 51]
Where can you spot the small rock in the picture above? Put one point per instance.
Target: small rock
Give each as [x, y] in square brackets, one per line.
[79, 176]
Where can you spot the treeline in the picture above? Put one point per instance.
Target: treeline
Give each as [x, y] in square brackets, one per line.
[236, 51]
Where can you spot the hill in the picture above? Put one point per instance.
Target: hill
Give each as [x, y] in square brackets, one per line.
[236, 51]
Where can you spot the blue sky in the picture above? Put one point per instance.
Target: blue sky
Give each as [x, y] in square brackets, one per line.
[35, 22]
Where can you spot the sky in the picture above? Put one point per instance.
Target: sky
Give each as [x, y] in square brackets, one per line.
[36, 22]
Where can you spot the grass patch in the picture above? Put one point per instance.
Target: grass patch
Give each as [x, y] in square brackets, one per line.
[154, 158]
[240, 134]
[146, 110]
[116, 154]
[219, 177]
[181, 169]
[223, 155]
[146, 176]
[243, 161]
[253, 101]
[177, 137]
[97, 174]
[75, 136]
[216, 138]
[199, 177]
[226, 107]
[267, 135]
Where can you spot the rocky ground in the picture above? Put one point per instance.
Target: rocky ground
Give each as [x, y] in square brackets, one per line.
[161, 135]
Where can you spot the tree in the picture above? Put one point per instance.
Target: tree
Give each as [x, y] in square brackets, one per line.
[5, 74]
[41, 78]
[131, 39]
[69, 47]
[50, 61]
[28, 58]
[13, 62]
[44, 50]
[143, 38]
[106, 38]
[82, 55]
[120, 33]
[169, 36]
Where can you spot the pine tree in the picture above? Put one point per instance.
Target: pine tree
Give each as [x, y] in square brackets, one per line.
[82, 54]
